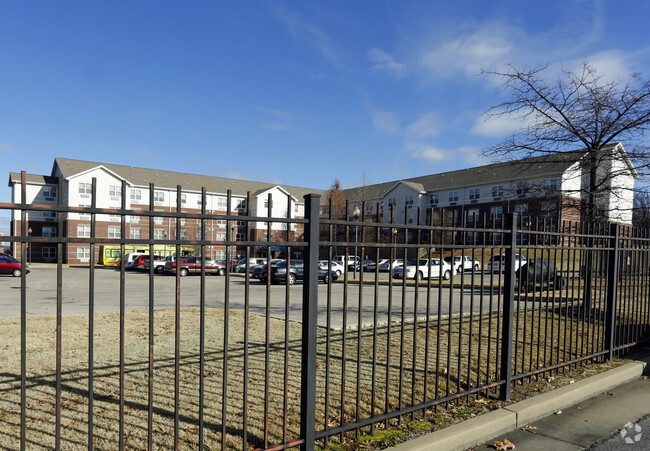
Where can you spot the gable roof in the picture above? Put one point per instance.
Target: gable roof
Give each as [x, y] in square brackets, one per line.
[527, 168]
[170, 179]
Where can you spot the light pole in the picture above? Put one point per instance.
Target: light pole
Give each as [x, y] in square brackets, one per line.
[29, 233]
[355, 213]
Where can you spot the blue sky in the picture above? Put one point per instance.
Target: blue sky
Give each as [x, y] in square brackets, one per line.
[299, 93]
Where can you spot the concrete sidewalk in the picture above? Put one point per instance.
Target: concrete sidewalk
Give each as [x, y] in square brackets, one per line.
[572, 417]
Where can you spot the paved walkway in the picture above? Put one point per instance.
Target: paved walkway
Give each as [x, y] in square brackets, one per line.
[590, 414]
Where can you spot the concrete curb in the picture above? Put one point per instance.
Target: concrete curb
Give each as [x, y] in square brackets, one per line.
[479, 429]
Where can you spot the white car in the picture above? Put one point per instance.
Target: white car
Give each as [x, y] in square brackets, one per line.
[337, 268]
[464, 263]
[494, 264]
[425, 269]
[387, 265]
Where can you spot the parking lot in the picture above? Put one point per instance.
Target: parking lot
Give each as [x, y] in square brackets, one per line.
[41, 295]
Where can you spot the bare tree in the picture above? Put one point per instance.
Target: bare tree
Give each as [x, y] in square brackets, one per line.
[641, 217]
[576, 109]
[335, 201]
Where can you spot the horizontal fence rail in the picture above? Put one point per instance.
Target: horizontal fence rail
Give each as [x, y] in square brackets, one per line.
[453, 309]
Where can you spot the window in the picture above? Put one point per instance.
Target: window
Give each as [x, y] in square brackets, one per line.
[49, 215]
[183, 221]
[410, 219]
[241, 206]
[85, 189]
[222, 203]
[265, 236]
[369, 207]
[497, 191]
[408, 200]
[84, 215]
[49, 191]
[114, 218]
[294, 227]
[266, 203]
[114, 232]
[48, 253]
[83, 231]
[158, 234]
[474, 193]
[221, 223]
[453, 196]
[434, 200]
[241, 223]
[49, 231]
[522, 188]
[159, 196]
[550, 184]
[221, 236]
[158, 220]
[548, 208]
[521, 209]
[183, 199]
[134, 219]
[240, 237]
[136, 195]
[198, 235]
[115, 191]
[199, 201]
[472, 215]
[83, 253]
[183, 234]
[220, 255]
[392, 201]
[135, 234]
[496, 213]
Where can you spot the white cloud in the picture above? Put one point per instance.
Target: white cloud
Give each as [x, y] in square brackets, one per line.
[383, 62]
[484, 48]
[495, 127]
[433, 154]
[426, 126]
[385, 121]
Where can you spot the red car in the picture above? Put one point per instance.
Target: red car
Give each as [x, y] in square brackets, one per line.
[9, 265]
[192, 265]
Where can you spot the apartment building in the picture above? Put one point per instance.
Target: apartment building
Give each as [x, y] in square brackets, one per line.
[551, 189]
[74, 189]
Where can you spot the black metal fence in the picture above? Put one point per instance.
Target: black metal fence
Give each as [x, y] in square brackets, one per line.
[233, 363]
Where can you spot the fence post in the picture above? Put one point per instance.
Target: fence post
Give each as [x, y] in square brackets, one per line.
[309, 323]
[508, 306]
[612, 283]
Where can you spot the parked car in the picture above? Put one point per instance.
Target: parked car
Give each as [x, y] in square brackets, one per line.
[9, 265]
[425, 269]
[296, 272]
[257, 270]
[369, 265]
[387, 265]
[349, 263]
[494, 264]
[336, 267]
[241, 266]
[192, 265]
[542, 273]
[158, 263]
[463, 263]
[131, 258]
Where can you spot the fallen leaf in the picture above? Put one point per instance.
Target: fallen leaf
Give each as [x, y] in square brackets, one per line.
[558, 412]
[529, 428]
[609, 393]
[505, 445]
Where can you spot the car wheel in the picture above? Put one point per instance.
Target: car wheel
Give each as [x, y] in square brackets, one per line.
[263, 279]
[561, 283]
[338, 273]
[418, 276]
[221, 272]
[184, 272]
[16, 272]
[292, 279]
[446, 275]
[159, 269]
[476, 267]
[326, 279]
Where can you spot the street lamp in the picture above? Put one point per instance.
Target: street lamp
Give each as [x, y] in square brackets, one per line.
[355, 213]
[29, 233]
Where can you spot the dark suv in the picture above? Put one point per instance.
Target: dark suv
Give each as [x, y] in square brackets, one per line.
[542, 273]
[296, 270]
